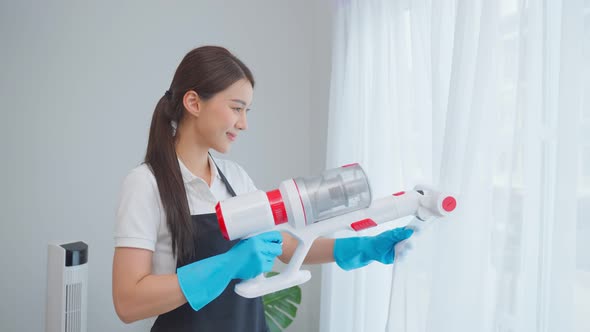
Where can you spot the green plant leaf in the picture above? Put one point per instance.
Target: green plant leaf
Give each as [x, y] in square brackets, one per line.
[280, 308]
[279, 317]
[272, 326]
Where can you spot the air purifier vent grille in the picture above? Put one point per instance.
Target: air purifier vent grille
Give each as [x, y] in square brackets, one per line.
[73, 318]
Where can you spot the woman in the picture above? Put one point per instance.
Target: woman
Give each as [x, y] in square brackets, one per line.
[171, 260]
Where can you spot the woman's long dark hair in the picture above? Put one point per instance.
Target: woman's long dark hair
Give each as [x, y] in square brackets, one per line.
[206, 70]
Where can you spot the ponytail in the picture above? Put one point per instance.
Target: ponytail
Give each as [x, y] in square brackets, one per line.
[161, 158]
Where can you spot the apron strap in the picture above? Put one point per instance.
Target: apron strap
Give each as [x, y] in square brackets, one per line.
[223, 178]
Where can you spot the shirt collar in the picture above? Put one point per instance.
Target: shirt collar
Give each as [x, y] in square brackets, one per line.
[188, 176]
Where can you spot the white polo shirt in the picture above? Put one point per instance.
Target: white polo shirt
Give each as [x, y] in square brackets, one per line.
[141, 221]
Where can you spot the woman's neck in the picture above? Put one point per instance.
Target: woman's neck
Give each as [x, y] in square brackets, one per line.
[196, 159]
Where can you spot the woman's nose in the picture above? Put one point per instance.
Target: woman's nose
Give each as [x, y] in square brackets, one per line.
[242, 123]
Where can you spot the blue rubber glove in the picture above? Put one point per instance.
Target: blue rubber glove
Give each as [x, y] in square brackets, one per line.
[203, 281]
[354, 252]
[256, 255]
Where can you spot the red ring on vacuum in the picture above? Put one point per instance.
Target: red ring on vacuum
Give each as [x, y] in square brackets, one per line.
[279, 213]
[301, 201]
[221, 221]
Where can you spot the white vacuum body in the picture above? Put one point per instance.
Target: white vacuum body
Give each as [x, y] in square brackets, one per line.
[310, 207]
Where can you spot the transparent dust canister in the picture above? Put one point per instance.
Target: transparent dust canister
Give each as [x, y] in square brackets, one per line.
[336, 191]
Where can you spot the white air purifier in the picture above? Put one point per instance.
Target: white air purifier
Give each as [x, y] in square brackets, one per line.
[67, 287]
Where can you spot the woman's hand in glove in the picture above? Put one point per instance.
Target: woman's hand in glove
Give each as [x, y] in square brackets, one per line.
[354, 252]
[203, 281]
[255, 255]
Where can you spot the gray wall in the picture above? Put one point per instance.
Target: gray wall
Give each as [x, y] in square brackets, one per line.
[78, 85]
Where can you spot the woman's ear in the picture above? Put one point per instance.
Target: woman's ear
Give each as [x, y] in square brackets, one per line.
[192, 103]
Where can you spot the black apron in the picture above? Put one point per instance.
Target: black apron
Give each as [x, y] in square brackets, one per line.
[229, 312]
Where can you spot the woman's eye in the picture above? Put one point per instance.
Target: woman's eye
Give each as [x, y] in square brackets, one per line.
[237, 109]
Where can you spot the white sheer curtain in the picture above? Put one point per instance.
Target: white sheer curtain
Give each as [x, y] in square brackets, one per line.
[489, 99]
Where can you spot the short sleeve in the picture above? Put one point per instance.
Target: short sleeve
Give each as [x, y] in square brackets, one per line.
[139, 212]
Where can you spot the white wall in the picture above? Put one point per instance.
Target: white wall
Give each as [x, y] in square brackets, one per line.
[78, 85]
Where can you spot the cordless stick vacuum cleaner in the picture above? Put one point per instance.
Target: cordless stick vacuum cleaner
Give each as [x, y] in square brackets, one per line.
[309, 207]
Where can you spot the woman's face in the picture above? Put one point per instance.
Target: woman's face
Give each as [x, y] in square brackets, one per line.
[223, 116]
